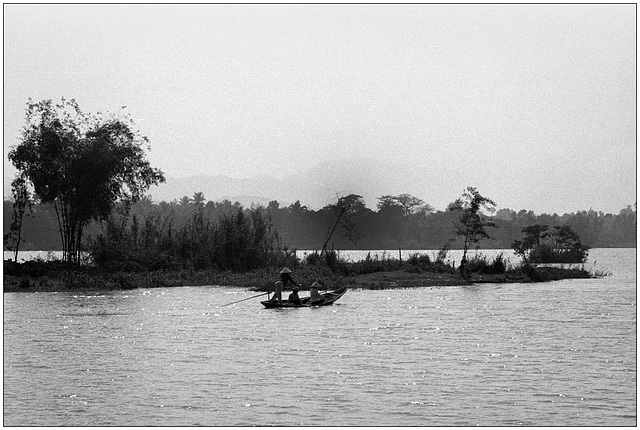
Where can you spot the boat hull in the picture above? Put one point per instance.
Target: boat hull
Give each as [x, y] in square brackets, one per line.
[328, 298]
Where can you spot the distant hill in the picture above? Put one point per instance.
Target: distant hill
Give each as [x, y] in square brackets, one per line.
[318, 186]
[438, 184]
[245, 191]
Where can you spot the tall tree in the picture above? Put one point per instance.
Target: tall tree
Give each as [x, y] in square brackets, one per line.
[471, 225]
[198, 199]
[83, 164]
[409, 204]
[344, 212]
[412, 204]
[21, 202]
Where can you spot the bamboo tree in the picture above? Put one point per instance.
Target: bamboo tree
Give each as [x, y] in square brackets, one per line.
[82, 164]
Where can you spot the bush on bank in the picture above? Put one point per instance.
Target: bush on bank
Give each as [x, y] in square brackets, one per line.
[329, 270]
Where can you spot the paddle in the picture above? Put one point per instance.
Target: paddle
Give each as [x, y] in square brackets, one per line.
[253, 297]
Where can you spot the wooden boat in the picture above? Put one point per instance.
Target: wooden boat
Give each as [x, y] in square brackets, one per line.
[328, 298]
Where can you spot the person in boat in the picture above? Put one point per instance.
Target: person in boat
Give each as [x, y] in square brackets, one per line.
[294, 298]
[285, 279]
[314, 293]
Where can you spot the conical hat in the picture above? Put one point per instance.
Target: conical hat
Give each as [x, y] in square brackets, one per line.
[285, 270]
[316, 285]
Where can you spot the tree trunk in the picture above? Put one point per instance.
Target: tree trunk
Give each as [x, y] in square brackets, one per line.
[332, 230]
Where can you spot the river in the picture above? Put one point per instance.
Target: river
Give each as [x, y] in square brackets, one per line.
[549, 354]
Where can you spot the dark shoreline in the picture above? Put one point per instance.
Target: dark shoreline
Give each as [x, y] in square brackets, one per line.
[264, 280]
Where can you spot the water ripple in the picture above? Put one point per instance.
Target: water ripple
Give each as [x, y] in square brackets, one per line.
[518, 355]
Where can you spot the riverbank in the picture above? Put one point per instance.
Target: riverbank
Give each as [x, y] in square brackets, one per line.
[263, 280]
[401, 279]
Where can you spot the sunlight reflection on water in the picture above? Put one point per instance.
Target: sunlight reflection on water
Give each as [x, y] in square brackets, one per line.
[554, 354]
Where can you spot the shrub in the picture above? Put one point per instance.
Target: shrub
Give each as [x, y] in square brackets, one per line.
[499, 264]
[442, 254]
[481, 264]
[241, 240]
[313, 259]
[418, 263]
[332, 260]
[25, 282]
[560, 245]
[548, 254]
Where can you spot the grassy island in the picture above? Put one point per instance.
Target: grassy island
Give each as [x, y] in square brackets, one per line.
[371, 273]
[90, 173]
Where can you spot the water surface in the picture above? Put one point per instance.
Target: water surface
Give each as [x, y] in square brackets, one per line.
[551, 354]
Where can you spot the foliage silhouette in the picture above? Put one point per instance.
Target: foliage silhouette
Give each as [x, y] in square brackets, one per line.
[298, 227]
[559, 245]
[82, 164]
[472, 223]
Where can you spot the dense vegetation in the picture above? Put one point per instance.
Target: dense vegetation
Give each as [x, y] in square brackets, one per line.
[371, 273]
[237, 240]
[80, 188]
[557, 245]
[389, 227]
[83, 165]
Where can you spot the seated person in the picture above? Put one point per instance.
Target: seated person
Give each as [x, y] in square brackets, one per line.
[277, 295]
[285, 278]
[315, 296]
[294, 298]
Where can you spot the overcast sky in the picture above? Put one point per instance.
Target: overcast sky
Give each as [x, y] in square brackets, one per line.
[542, 96]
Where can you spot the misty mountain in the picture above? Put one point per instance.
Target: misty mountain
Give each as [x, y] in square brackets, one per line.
[317, 186]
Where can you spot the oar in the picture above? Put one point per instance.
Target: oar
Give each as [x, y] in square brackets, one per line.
[252, 297]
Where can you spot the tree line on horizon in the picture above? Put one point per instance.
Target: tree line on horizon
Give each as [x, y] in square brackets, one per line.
[81, 186]
[399, 222]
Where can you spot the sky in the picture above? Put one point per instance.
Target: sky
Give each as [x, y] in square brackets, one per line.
[535, 102]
